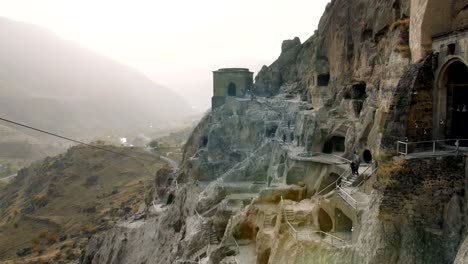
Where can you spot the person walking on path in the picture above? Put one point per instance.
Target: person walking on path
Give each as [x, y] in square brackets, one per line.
[352, 165]
[357, 163]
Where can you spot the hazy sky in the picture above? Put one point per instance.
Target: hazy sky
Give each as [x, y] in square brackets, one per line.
[177, 43]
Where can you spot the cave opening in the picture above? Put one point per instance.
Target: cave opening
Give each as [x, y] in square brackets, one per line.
[359, 90]
[204, 141]
[170, 199]
[270, 130]
[335, 144]
[325, 221]
[367, 156]
[343, 223]
[323, 79]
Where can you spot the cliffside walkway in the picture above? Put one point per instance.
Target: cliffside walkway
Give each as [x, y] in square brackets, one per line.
[434, 148]
[297, 153]
[349, 188]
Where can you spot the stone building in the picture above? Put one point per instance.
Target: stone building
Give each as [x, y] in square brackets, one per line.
[439, 96]
[230, 82]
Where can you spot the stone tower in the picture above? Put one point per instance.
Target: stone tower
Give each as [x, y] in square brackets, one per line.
[230, 82]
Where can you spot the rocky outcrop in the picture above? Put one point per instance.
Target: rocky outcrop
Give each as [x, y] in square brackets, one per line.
[270, 79]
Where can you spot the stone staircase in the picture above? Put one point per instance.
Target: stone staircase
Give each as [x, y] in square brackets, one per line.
[267, 220]
[348, 190]
[199, 254]
[212, 237]
[289, 215]
[349, 180]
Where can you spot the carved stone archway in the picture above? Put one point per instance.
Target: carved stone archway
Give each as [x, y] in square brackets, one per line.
[451, 100]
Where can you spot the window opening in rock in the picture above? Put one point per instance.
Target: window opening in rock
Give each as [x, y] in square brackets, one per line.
[204, 141]
[232, 89]
[323, 79]
[170, 198]
[271, 130]
[451, 49]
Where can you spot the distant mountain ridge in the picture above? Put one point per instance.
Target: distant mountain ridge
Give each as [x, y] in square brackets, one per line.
[56, 84]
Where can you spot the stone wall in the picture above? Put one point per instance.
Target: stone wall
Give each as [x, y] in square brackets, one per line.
[423, 202]
[410, 114]
[241, 78]
[431, 18]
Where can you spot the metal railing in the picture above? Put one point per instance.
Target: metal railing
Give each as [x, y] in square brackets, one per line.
[320, 157]
[204, 234]
[236, 245]
[431, 147]
[347, 197]
[373, 171]
[333, 240]
[187, 261]
[199, 216]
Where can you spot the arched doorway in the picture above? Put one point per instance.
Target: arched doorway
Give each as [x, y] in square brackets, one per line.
[335, 144]
[367, 156]
[325, 221]
[232, 89]
[453, 101]
[342, 222]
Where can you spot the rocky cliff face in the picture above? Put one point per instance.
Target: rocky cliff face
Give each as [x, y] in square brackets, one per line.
[254, 186]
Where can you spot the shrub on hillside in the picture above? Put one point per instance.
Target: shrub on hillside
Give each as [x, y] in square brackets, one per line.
[91, 180]
[388, 166]
[52, 238]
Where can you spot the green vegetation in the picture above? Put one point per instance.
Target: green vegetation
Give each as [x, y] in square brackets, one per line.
[388, 167]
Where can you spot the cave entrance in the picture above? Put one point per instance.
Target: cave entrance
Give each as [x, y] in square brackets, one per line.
[367, 156]
[342, 222]
[264, 256]
[325, 221]
[295, 175]
[335, 144]
[204, 141]
[453, 102]
[232, 89]
[327, 184]
[270, 130]
[323, 79]
[170, 199]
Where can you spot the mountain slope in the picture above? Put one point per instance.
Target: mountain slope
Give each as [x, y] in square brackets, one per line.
[55, 84]
[71, 196]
